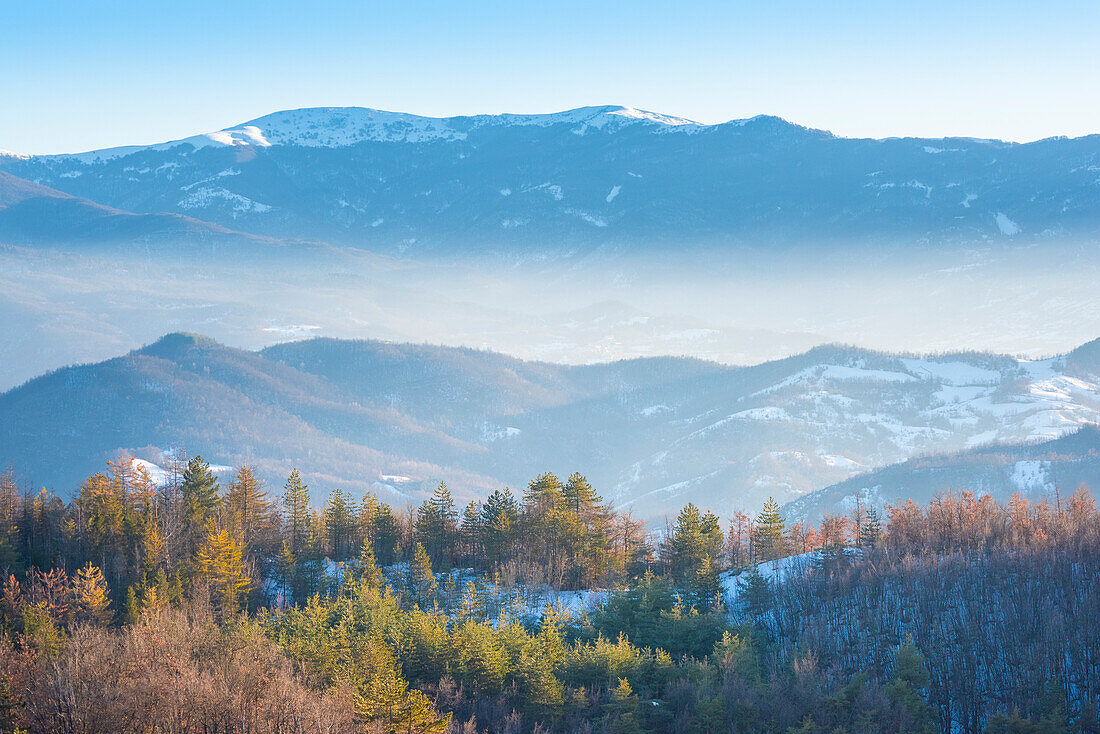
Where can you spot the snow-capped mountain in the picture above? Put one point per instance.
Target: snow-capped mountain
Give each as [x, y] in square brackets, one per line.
[786, 428]
[651, 434]
[614, 178]
[345, 126]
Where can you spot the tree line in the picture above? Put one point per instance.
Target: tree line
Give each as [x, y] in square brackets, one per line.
[153, 543]
[161, 605]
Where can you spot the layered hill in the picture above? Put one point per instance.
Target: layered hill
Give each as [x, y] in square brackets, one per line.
[33, 214]
[597, 178]
[1042, 470]
[651, 434]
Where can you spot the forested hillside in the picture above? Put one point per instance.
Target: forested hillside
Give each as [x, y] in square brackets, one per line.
[396, 419]
[152, 606]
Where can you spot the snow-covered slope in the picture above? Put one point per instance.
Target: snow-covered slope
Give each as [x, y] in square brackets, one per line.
[787, 428]
[336, 127]
[651, 434]
[1036, 470]
[594, 177]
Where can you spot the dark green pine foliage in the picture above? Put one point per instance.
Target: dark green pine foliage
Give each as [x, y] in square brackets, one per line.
[870, 532]
[590, 556]
[695, 536]
[420, 584]
[499, 518]
[340, 524]
[579, 495]
[437, 526]
[769, 536]
[754, 592]
[906, 689]
[199, 491]
[296, 512]
[470, 532]
[705, 587]
[385, 534]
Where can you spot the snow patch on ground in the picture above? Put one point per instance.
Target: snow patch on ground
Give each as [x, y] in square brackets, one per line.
[1030, 476]
[210, 196]
[155, 472]
[766, 413]
[774, 571]
[952, 373]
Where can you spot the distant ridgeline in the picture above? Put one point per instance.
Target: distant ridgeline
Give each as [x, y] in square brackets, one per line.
[391, 419]
[179, 599]
[608, 178]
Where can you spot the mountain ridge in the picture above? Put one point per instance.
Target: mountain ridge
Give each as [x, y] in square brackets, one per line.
[31, 213]
[651, 433]
[598, 179]
[1037, 470]
[307, 126]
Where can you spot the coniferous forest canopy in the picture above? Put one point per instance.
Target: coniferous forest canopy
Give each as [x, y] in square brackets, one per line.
[188, 606]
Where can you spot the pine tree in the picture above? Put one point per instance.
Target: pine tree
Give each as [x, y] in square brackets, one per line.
[472, 606]
[437, 527]
[754, 591]
[499, 518]
[367, 569]
[705, 586]
[286, 568]
[421, 585]
[769, 533]
[416, 715]
[340, 523]
[132, 608]
[219, 564]
[579, 495]
[713, 540]
[686, 546]
[906, 690]
[91, 600]
[471, 531]
[368, 512]
[870, 532]
[199, 491]
[622, 710]
[591, 554]
[385, 534]
[248, 509]
[296, 508]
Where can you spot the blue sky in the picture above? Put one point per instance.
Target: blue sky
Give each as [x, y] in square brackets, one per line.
[80, 75]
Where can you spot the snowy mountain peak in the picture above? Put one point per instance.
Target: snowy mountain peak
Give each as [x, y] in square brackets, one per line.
[334, 127]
